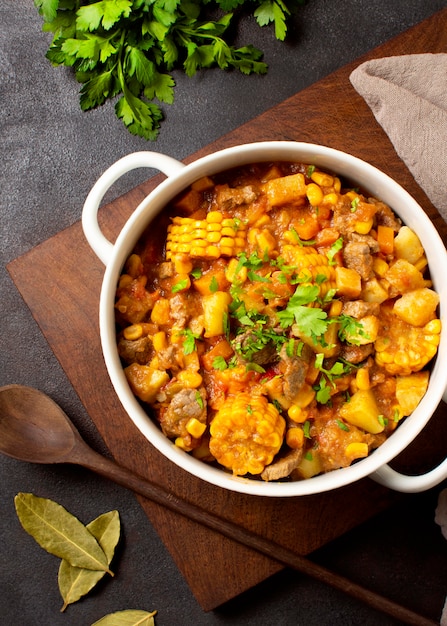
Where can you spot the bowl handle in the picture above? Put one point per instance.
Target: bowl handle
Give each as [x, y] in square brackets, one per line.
[92, 231]
[410, 484]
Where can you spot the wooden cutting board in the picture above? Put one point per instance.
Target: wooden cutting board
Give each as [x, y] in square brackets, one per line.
[60, 281]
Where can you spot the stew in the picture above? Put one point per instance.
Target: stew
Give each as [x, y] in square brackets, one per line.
[276, 321]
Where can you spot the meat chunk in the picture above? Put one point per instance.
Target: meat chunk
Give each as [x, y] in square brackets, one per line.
[370, 241]
[186, 404]
[357, 256]
[360, 308]
[385, 215]
[229, 198]
[253, 349]
[294, 370]
[166, 269]
[283, 467]
[137, 351]
[356, 354]
[179, 310]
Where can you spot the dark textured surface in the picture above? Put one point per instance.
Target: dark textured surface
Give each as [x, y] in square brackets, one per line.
[52, 154]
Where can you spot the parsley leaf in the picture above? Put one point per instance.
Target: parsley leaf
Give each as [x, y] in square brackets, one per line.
[189, 344]
[130, 47]
[310, 321]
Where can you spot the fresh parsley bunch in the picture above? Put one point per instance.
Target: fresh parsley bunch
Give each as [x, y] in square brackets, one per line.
[128, 48]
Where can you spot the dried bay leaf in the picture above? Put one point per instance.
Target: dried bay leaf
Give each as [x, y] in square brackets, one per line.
[130, 617]
[59, 532]
[75, 582]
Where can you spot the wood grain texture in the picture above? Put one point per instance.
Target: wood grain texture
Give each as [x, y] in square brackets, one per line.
[61, 279]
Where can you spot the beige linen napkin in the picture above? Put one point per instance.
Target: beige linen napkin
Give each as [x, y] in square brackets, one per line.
[408, 96]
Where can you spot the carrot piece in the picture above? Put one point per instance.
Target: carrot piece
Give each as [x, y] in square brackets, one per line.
[385, 239]
[221, 348]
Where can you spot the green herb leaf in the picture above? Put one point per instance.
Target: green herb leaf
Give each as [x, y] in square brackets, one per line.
[128, 47]
[182, 284]
[75, 582]
[47, 9]
[60, 533]
[130, 617]
[189, 344]
[219, 363]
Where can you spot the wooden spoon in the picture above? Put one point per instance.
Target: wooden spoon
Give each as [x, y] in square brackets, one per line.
[34, 428]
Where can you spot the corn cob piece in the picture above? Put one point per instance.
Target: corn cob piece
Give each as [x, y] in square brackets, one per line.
[246, 433]
[310, 266]
[210, 238]
[403, 349]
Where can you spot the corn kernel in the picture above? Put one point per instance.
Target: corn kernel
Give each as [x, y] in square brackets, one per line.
[227, 251]
[214, 217]
[182, 264]
[335, 308]
[214, 237]
[297, 414]
[195, 428]
[133, 265]
[322, 179]
[159, 341]
[125, 281]
[180, 443]
[434, 327]
[131, 333]
[337, 184]
[212, 251]
[330, 198]
[295, 437]
[363, 228]
[189, 379]
[356, 450]
[228, 232]
[314, 194]
[213, 227]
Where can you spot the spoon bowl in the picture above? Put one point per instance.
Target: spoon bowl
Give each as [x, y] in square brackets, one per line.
[33, 427]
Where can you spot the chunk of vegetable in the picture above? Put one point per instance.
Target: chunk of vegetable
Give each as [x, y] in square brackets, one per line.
[410, 390]
[417, 307]
[348, 282]
[246, 433]
[362, 411]
[407, 245]
[215, 307]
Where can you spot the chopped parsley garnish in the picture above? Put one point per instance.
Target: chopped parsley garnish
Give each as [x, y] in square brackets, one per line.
[219, 363]
[354, 205]
[182, 284]
[214, 285]
[189, 344]
[336, 247]
[310, 321]
[196, 272]
[199, 400]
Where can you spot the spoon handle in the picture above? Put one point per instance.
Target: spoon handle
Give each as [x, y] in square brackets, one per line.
[124, 477]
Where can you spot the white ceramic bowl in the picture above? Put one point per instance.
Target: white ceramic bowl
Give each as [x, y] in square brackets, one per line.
[178, 178]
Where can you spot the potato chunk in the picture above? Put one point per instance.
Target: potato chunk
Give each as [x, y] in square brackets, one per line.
[362, 411]
[407, 245]
[403, 277]
[410, 390]
[417, 307]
